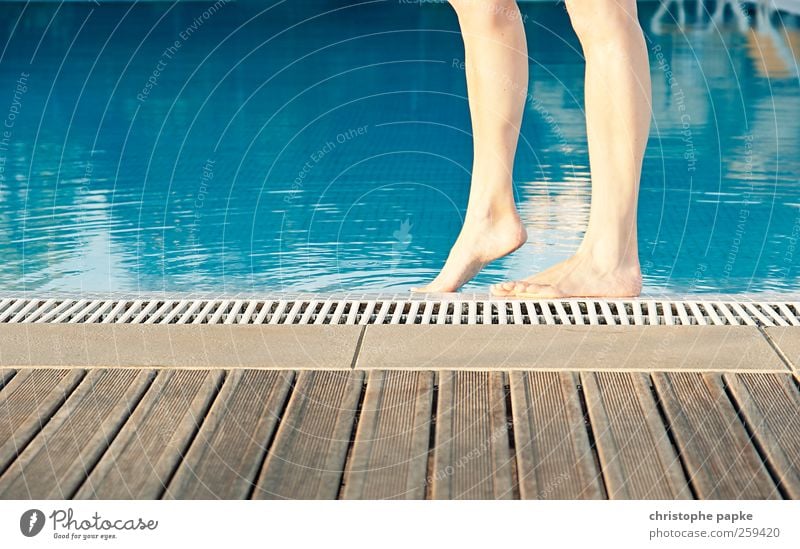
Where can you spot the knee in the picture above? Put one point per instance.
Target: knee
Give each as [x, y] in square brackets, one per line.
[602, 21]
[486, 13]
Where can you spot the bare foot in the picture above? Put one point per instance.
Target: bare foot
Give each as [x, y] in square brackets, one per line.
[478, 244]
[578, 276]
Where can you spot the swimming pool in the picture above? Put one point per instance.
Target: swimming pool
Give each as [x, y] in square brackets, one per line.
[325, 147]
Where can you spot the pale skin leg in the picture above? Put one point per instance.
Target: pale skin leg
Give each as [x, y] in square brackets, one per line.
[618, 108]
[618, 119]
[497, 84]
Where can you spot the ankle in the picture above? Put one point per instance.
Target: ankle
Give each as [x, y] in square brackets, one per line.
[608, 258]
[492, 213]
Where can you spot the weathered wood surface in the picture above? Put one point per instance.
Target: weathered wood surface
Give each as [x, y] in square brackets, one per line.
[27, 402]
[721, 461]
[325, 434]
[554, 456]
[472, 458]
[230, 446]
[636, 455]
[57, 461]
[390, 453]
[307, 458]
[771, 406]
[144, 455]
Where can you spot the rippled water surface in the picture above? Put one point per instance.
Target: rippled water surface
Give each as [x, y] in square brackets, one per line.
[316, 147]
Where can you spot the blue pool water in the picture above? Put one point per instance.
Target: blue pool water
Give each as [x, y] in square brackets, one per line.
[320, 146]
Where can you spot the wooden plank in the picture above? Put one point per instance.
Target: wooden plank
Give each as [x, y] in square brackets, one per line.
[721, 462]
[27, 403]
[308, 456]
[147, 450]
[636, 456]
[472, 457]
[5, 376]
[390, 454]
[229, 449]
[58, 460]
[554, 456]
[771, 406]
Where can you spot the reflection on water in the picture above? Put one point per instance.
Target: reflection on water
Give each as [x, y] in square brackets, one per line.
[317, 146]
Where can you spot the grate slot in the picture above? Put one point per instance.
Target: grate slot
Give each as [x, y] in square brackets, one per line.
[66, 315]
[742, 314]
[322, 315]
[39, 311]
[712, 313]
[131, 312]
[472, 312]
[172, 316]
[547, 313]
[352, 313]
[502, 313]
[233, 313]
[161, 312]
[206, 312]
[113, 315]
[294, 312]
[146, 312]
[54, 312]
[726, 312]
[247, 315]
[12, 308]
[786, 311]
[190, 312]
[366, 315]
[25, 311]
[221, 310]
[768, 319]
[275, 315]
[383, 312]
[577, 314]
[260, 309]
[620, 313]
[427, 313]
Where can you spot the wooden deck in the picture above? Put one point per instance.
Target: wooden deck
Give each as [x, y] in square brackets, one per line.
[618, 419]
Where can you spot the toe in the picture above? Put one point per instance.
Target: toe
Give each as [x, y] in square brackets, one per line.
[537, 291]
[498, 289]
[526, 289]
[503, 288]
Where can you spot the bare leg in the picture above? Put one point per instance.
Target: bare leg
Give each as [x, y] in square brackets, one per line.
[497, 83]
[617, 120]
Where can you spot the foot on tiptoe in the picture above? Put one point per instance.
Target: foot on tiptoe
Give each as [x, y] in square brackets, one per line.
[479, 243]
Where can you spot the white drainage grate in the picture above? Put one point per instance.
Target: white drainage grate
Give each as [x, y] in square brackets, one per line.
[394, 311]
